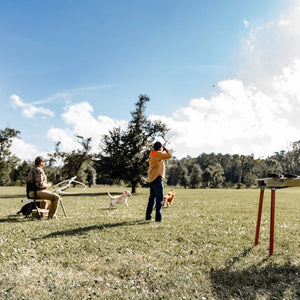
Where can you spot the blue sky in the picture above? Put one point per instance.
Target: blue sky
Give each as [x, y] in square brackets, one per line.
[221, 74]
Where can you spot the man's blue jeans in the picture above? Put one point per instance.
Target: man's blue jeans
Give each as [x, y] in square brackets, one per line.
[156, 196]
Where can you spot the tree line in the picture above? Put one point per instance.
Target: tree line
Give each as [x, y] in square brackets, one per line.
[123, 159]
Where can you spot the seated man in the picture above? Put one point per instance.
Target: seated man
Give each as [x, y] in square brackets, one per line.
[37, 185]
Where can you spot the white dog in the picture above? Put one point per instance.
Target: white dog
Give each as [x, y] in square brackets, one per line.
[121, 199]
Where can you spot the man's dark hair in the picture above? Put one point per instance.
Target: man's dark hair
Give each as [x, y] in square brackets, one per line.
[157, 146]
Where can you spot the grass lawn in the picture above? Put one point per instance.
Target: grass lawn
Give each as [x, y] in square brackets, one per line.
[203, 249]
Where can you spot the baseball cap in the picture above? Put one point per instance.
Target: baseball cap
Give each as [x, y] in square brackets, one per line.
[38, 160]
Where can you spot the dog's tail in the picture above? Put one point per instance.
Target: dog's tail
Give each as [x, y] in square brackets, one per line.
[109, 194]
[19, 212]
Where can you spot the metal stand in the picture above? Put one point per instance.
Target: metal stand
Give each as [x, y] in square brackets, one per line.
[62, 206]
[272, 217]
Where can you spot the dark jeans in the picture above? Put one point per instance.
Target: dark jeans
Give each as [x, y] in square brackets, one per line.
[156, 196]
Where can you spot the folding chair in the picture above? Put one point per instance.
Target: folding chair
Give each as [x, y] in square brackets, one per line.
[30, 187]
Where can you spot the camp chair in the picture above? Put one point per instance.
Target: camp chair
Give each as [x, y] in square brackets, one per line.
[31, 187]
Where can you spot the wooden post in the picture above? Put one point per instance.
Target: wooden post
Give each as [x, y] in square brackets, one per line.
[261, 198]
[272, 220]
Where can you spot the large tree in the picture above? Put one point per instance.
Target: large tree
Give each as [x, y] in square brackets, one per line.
[125, 153]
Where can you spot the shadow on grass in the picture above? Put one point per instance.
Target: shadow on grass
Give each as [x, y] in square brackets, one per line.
[88, 194]
[13, 196]
[14, 219]
[83, 230]
[83, 194]
[9, 196]
[271, 281]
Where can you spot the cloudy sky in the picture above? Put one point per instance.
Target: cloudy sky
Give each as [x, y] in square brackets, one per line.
[223, 75]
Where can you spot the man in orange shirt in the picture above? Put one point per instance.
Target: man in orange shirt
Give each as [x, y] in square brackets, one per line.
[156, 173]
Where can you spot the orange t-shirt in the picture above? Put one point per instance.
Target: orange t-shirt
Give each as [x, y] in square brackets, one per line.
[157, 164]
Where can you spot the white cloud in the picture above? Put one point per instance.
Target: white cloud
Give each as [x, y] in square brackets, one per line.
[66, 95]
[246, 23]
[29, 110]
[283, 21]
[66, 137]
[80, 121]
[270, 47]
[23, 150]
[240, 119]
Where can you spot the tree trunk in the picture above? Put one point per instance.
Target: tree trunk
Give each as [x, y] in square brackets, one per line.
[133, 189]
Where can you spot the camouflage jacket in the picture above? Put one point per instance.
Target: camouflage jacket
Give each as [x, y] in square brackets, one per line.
[37, 176]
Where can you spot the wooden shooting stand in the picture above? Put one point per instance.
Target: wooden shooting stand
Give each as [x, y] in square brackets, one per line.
[273, 182]
[40, 213]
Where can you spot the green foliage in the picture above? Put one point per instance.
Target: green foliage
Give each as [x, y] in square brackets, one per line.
[196, 176]
[123, 160]
[204, 249]
[213, 176]
[125, 153]
[183, 177]
[19, 174]
[7, 161]
[78, 163]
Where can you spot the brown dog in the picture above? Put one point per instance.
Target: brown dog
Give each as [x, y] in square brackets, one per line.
[168, 199]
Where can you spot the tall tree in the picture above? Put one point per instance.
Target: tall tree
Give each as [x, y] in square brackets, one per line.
[7, 160]
[183, 175]
[171, 172]
[125, 153]
[196, 176]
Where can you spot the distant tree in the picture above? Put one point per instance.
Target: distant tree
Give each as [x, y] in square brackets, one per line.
[55, 164]
[205, 160]
[124, 153]
[290, 161]
[273, 166]
[77, 163]
[7, 161]
[19, 174]
[183, 175]
[172, 175]
[213, 176]
[249, 179]
[227, 164]
[245, 165]
[196, 176]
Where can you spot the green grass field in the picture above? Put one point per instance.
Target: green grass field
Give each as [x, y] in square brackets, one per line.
[204, 249]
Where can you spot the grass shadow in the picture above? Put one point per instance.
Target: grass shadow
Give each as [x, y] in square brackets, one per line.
[79, 194]
[271, 281]
[13, 196]
[90, 194]
[83, 230]
[14, 219]
[83, 194]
